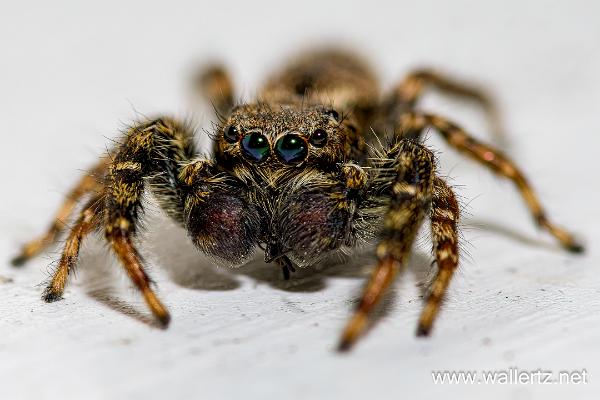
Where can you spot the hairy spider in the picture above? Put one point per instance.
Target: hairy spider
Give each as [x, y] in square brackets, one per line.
[299, 172]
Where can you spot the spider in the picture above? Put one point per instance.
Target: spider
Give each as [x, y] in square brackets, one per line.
[320, 163]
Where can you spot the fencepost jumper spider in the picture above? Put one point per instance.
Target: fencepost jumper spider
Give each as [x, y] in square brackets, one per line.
[318, 164]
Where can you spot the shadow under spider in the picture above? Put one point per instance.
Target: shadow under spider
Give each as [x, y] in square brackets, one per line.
[106, 297]
[101, 282]
[188, 268]
[510, 233]
[169, 246]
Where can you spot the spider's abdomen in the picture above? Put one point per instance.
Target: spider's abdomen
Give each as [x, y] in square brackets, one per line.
[335, 78]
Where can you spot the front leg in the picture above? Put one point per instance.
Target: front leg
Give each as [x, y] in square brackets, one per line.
[444, 217]
[152, 151]
[410, 196]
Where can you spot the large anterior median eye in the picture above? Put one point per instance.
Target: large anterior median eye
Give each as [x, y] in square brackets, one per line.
[255, 146]
[291, 148]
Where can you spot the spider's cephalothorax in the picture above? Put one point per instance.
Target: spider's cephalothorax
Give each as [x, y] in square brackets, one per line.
[287, 189]
[300, 173]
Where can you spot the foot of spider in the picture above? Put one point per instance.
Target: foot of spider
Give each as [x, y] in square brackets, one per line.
[164, 320]
[29, 251]
[423, 331]
[159, 311]
[357, 324]
[352, 332]
[50, 296]
[567, 240]
[19, 260]
[576, 248]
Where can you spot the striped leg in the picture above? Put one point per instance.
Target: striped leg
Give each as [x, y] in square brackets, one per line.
[152, 151]
[88, 183]
[412, 88]
[131, 260]
[444, 233]
[216, 85]
[495, 161]
[410, 197]
[87, 221]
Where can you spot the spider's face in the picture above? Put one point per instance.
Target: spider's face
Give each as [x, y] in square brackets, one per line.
[259, 135]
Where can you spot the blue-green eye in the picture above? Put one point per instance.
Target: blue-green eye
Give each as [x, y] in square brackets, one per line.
[291, 148]
[255, 146]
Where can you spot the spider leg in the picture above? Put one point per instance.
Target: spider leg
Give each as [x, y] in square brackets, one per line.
[152, 152]
[88, 183]
[416, 83]
[444, 218]
[87, 221]
[131, 260]
[410, 198]
[215, 84]
[496, 162]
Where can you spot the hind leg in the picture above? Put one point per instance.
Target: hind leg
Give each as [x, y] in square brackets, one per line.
[416, 84]
[87, 184]
[215, 84]
[495, 161]
[87, 221]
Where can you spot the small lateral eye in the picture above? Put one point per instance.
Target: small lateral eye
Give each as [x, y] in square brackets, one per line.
[231, 134]
[333, 114]
[318, 138]
[255, 146]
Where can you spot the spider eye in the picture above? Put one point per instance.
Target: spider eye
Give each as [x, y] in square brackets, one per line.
[333, 114]
[318, 138]
[255, 146]
[231, 134]
[291, 148]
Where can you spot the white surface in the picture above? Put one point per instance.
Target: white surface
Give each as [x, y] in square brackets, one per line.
[72, 74]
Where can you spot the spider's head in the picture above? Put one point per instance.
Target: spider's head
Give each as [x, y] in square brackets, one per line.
[284, 136]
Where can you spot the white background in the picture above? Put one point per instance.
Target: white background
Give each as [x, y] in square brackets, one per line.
[72, 74]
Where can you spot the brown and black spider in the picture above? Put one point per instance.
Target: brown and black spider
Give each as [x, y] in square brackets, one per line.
[299, 173]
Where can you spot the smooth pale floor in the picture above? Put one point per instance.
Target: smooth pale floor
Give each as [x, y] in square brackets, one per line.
[73, 74]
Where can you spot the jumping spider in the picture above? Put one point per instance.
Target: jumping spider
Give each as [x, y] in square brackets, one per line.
[301, 172]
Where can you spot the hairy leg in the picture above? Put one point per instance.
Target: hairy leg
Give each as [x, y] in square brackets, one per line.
[131, 260]
[90, 182]
[152, 151]
[412, 88]
[410, 195]
[215, 84]
[444, 233]
[87, 221]
[496, 162]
